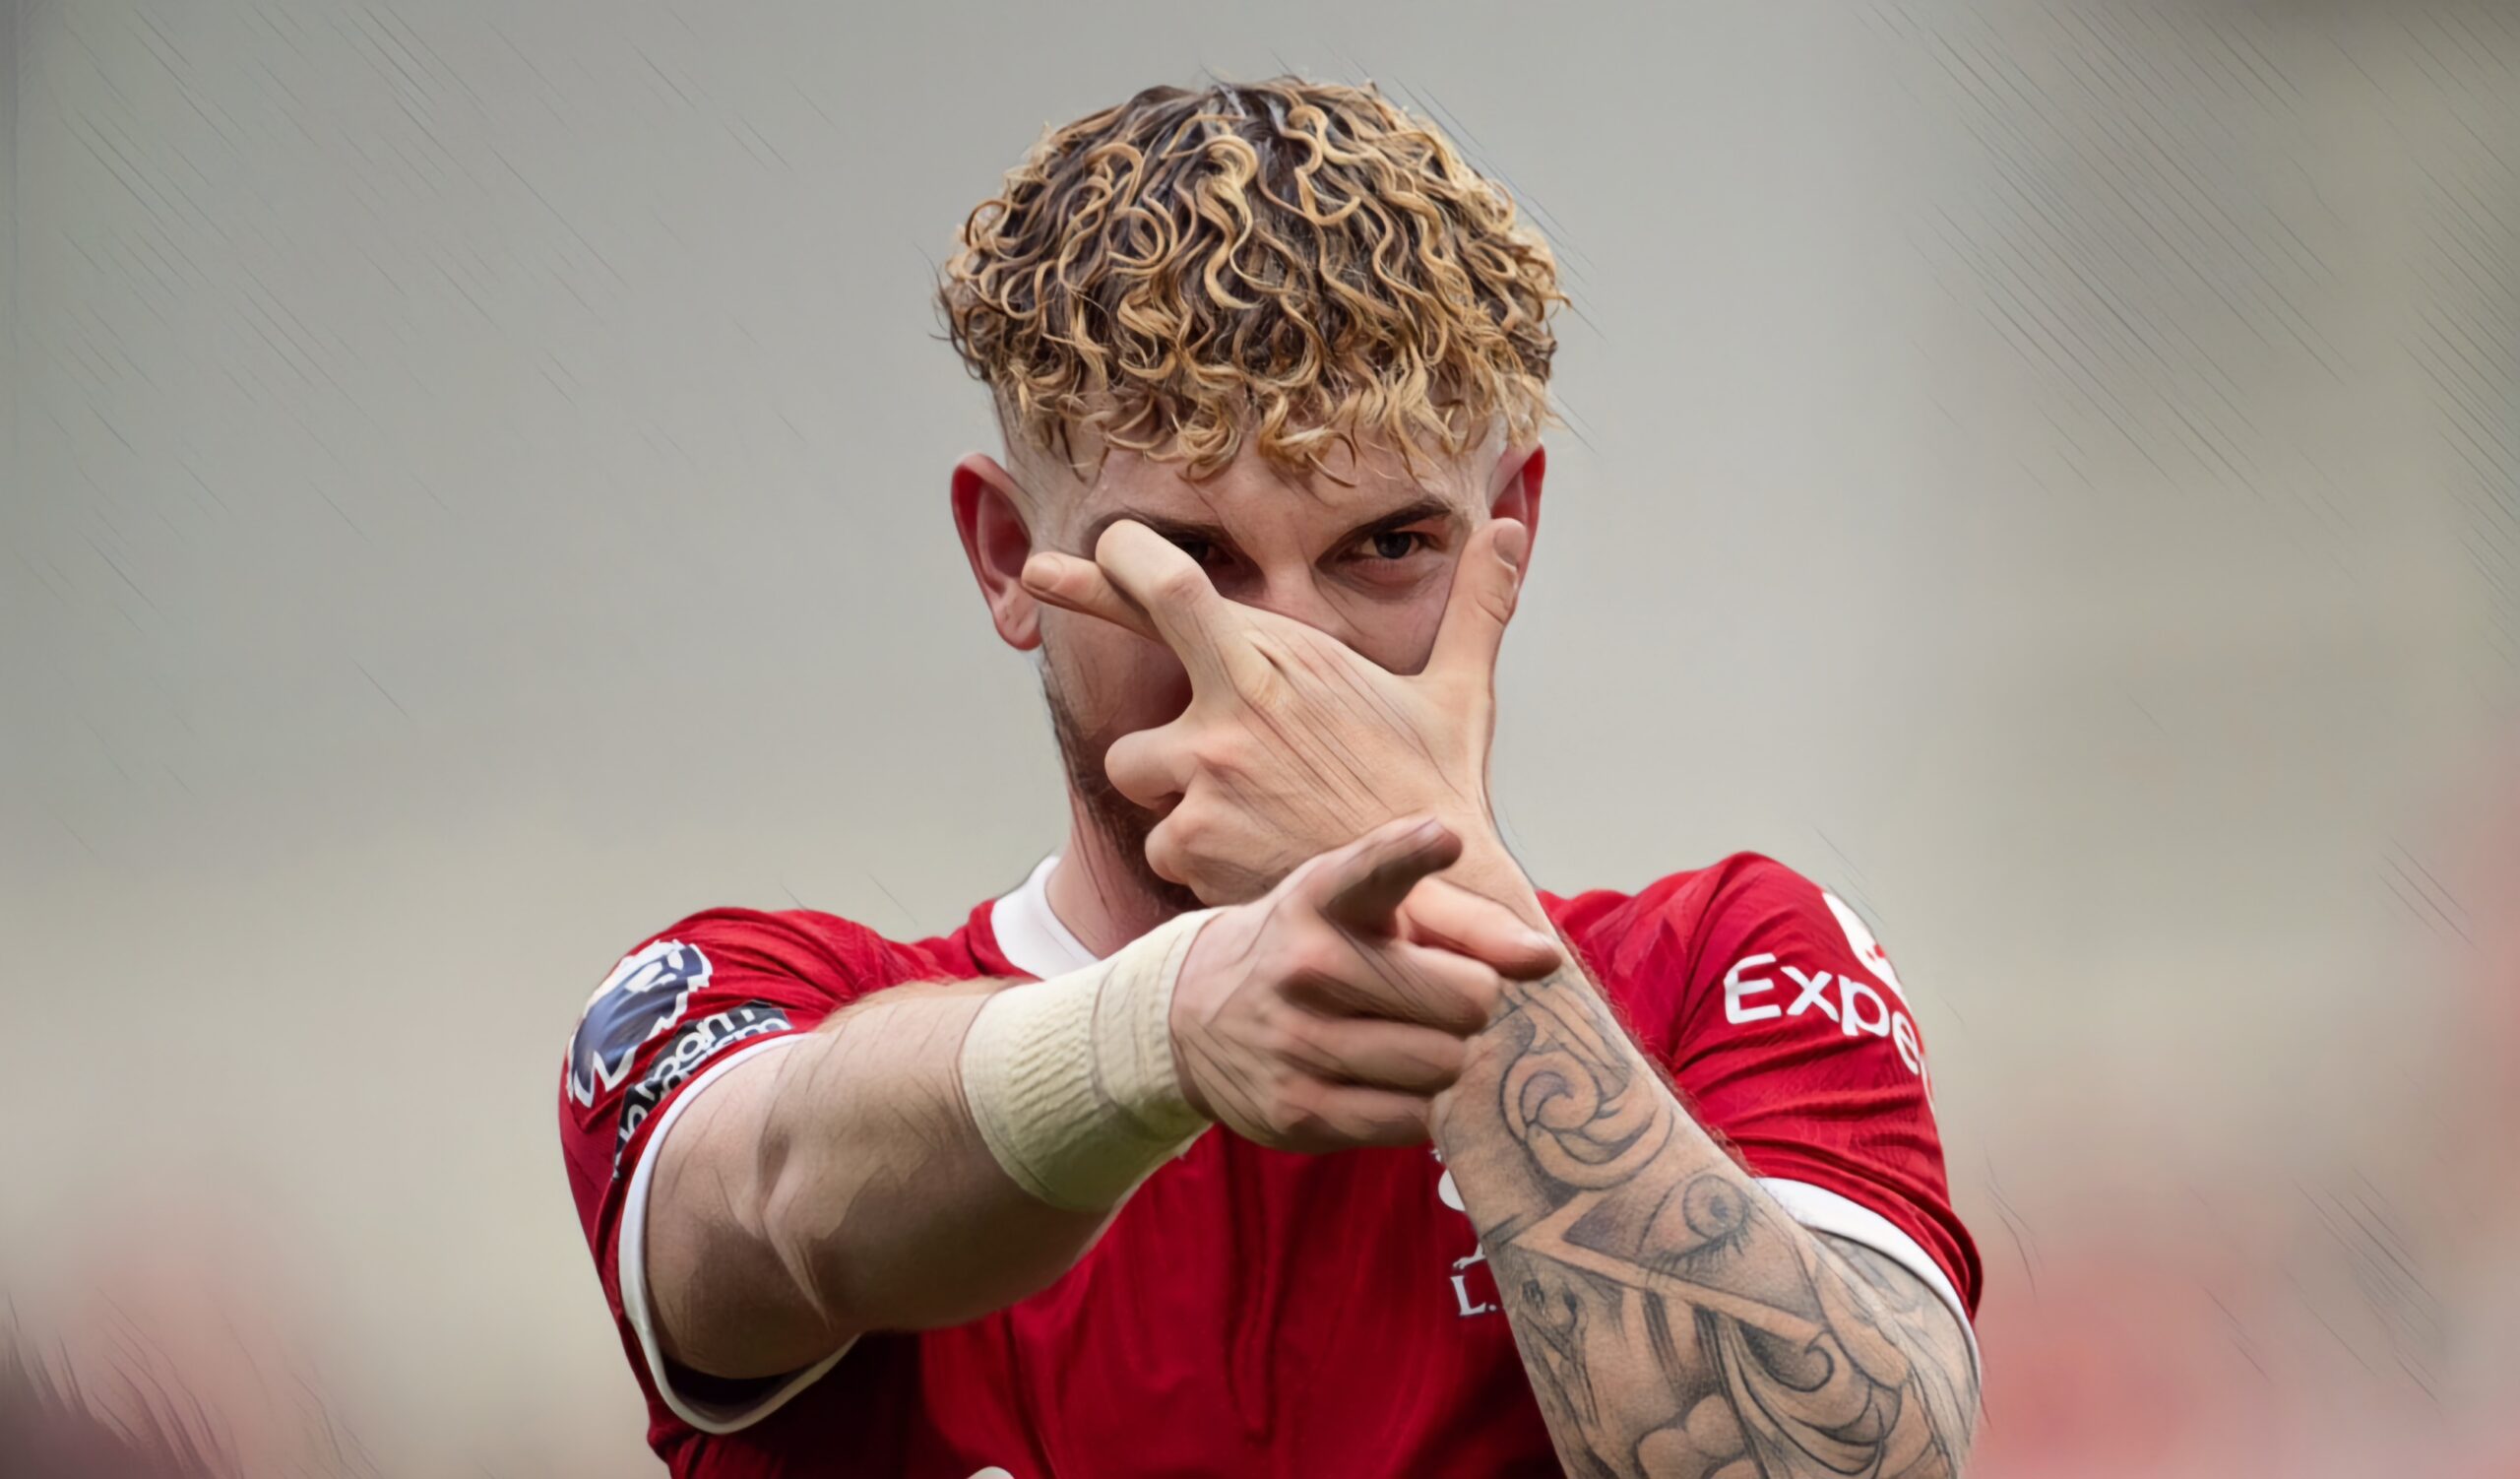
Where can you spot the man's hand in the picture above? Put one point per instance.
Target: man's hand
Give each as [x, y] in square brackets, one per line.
[1292, 744]
[1326, 1015]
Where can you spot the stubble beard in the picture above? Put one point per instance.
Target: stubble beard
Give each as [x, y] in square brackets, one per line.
[1122, 823]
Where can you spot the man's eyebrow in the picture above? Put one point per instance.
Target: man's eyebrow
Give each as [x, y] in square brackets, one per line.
[1418, 512]
[1180, 531]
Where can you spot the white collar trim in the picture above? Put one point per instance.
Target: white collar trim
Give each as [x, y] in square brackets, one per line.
[1029, 935]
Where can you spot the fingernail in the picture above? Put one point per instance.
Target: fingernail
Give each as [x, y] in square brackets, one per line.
[1536, 943]
[1512, 541]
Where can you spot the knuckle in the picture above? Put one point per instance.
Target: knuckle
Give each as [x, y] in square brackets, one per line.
[1180, 583]
[1224, 753]
[1265, 660]
[1273, 1038]
[1259, 668]
[1278, 1082]
[1286, 1038]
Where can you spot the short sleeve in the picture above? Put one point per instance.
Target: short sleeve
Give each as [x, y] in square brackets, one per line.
[1797, 1043]
[674, 1015]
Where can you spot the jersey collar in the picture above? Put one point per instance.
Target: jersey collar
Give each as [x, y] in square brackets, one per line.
[1029, 935]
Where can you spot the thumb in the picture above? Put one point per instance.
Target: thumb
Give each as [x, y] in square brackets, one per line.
[1484, 585]
[1366, 880]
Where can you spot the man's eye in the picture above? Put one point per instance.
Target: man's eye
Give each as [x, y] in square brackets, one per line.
[1395, 543]
[1204, 551]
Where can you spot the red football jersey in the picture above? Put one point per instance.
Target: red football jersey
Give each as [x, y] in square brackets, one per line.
[1253, 1311]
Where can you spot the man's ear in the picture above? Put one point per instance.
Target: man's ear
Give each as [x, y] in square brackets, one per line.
[990, 519]
[1521, 473]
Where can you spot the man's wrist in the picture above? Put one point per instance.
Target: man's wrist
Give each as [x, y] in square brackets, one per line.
[1072, 1083]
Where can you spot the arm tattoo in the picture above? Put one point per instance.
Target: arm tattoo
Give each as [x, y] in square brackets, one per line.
[1673, 1319]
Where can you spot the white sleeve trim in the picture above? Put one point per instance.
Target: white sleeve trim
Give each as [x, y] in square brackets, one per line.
[632, 1257]
[1825, 1211]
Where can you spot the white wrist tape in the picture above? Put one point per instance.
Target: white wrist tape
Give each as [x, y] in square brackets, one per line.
[1071, 1080]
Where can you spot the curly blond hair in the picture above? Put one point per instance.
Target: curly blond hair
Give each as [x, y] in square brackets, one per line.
[1302, 264]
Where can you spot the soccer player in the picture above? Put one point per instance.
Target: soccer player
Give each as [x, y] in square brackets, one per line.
[1277, 1125]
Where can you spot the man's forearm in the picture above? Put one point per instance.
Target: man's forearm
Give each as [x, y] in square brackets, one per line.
[1673, 1319]
[837, 1186]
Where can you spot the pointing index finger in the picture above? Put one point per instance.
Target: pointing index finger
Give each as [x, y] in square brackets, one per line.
[1364, 888]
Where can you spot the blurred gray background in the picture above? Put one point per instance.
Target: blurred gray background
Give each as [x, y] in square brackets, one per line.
[475, 491]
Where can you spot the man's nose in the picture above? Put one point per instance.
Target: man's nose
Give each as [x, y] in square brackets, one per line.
[1298, 597]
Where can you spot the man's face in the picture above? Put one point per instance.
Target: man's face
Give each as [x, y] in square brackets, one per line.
[1369, 563]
